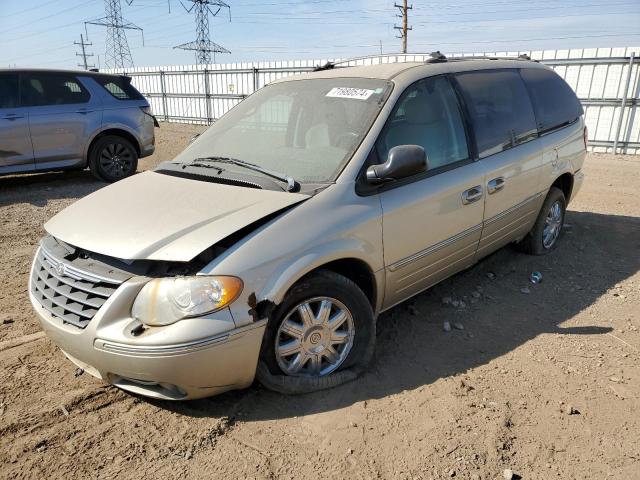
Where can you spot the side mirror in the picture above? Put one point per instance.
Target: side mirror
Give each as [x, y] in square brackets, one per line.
[403, 161]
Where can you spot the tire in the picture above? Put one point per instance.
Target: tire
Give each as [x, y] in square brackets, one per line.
[113, 158]
[536, 242]
[351, 315]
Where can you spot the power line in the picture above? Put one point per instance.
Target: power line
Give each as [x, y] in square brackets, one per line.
[203, 46]
[84, 53]
[118, 54]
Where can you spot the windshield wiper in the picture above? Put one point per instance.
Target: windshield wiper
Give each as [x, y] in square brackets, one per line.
[292, 185]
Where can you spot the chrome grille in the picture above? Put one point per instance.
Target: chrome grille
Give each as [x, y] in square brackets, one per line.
[69, 293]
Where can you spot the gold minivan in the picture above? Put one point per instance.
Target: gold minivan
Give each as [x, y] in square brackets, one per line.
[271, 244]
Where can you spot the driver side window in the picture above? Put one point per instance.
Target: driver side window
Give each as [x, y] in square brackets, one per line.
[427, 114]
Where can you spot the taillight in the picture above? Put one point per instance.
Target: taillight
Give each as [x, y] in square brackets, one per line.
[586, 136]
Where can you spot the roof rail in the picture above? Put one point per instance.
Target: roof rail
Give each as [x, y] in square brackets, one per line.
[522, 57]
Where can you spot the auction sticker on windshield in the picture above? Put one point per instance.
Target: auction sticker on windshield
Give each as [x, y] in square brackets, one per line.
[347, 92]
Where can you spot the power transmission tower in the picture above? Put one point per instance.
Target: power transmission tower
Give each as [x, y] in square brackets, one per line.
[404, 10]
[203, 46]
[84, 53]
[117, 53]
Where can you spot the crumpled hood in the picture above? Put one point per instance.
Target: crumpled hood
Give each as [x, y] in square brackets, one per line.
[154, 216]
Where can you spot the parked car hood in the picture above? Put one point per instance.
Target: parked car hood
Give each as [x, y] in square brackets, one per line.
[154, 216]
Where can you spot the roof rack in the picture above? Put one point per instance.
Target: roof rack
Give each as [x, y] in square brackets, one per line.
[437, 57]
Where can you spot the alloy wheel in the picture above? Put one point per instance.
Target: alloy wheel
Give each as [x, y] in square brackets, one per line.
[552, 225]
[116, 160]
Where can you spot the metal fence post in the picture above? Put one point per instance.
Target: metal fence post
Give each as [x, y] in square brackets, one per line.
[207, 94]
[623, 104]
[163, 91]
[255, 79]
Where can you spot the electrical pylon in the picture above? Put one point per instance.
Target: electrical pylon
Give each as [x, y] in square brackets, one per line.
[117, 53]
[203, 46]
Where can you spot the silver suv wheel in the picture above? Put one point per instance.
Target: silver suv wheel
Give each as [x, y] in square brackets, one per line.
[553, 224]
[314, 338]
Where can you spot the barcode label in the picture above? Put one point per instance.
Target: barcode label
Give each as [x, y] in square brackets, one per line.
[347, 92]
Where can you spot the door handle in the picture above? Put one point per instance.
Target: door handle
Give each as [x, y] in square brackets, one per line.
[12, 116]
[472, 195]
[83, 111]
[495, 185]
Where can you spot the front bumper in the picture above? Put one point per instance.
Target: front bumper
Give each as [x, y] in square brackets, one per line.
[192, 358]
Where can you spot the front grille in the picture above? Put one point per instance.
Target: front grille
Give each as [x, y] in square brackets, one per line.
[69, 293]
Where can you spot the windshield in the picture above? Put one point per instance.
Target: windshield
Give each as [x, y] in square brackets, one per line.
[307, 129]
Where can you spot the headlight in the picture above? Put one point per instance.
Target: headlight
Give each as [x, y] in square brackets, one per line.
[164, 301]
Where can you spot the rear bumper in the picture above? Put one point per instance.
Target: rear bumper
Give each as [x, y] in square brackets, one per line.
[177, 368]
[147, 150]
[148, 136]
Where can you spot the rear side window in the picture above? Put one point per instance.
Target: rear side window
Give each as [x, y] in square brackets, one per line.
[8, 90]
[554, 101]
[38, 89]
[500, 109]
[119, 87]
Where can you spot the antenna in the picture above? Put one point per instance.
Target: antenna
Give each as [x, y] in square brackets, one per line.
[203, 46]
[117, 53]
[84, 53]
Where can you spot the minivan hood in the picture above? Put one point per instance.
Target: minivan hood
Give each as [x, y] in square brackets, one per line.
[153, 216]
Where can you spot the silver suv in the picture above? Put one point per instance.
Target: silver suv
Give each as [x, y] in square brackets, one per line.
[53, 120]
[272, 243]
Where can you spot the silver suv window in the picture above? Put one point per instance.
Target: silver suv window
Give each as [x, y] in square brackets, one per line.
[37, 89]
[120, 88]
[8, 90]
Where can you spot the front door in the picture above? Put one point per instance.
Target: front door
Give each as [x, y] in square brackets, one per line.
[431, 222]
[62, 116]
[16, 152]
[509, 150]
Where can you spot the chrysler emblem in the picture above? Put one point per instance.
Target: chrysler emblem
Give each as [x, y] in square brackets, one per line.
[60, 269]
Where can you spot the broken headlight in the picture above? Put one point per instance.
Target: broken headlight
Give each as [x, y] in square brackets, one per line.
[164, 301]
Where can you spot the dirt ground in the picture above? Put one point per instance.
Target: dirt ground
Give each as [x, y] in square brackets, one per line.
[466, 404]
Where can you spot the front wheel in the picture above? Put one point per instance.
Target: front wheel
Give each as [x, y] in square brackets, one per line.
[113, 158]
[543, 237]
[322, 335]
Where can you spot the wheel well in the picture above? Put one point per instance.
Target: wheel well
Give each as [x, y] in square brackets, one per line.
[118, 133]
[358, 272]
[565, 183]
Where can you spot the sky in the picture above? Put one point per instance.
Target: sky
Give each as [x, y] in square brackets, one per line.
[41, 33]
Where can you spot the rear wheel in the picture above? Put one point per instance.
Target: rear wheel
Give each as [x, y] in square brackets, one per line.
[322, 335]
[543, 237]
[113, 158]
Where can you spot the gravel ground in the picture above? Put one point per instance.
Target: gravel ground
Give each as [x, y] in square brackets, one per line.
[545, 384]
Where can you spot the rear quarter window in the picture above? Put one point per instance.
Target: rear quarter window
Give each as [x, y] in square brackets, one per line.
[119, 88]
[554, 102]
